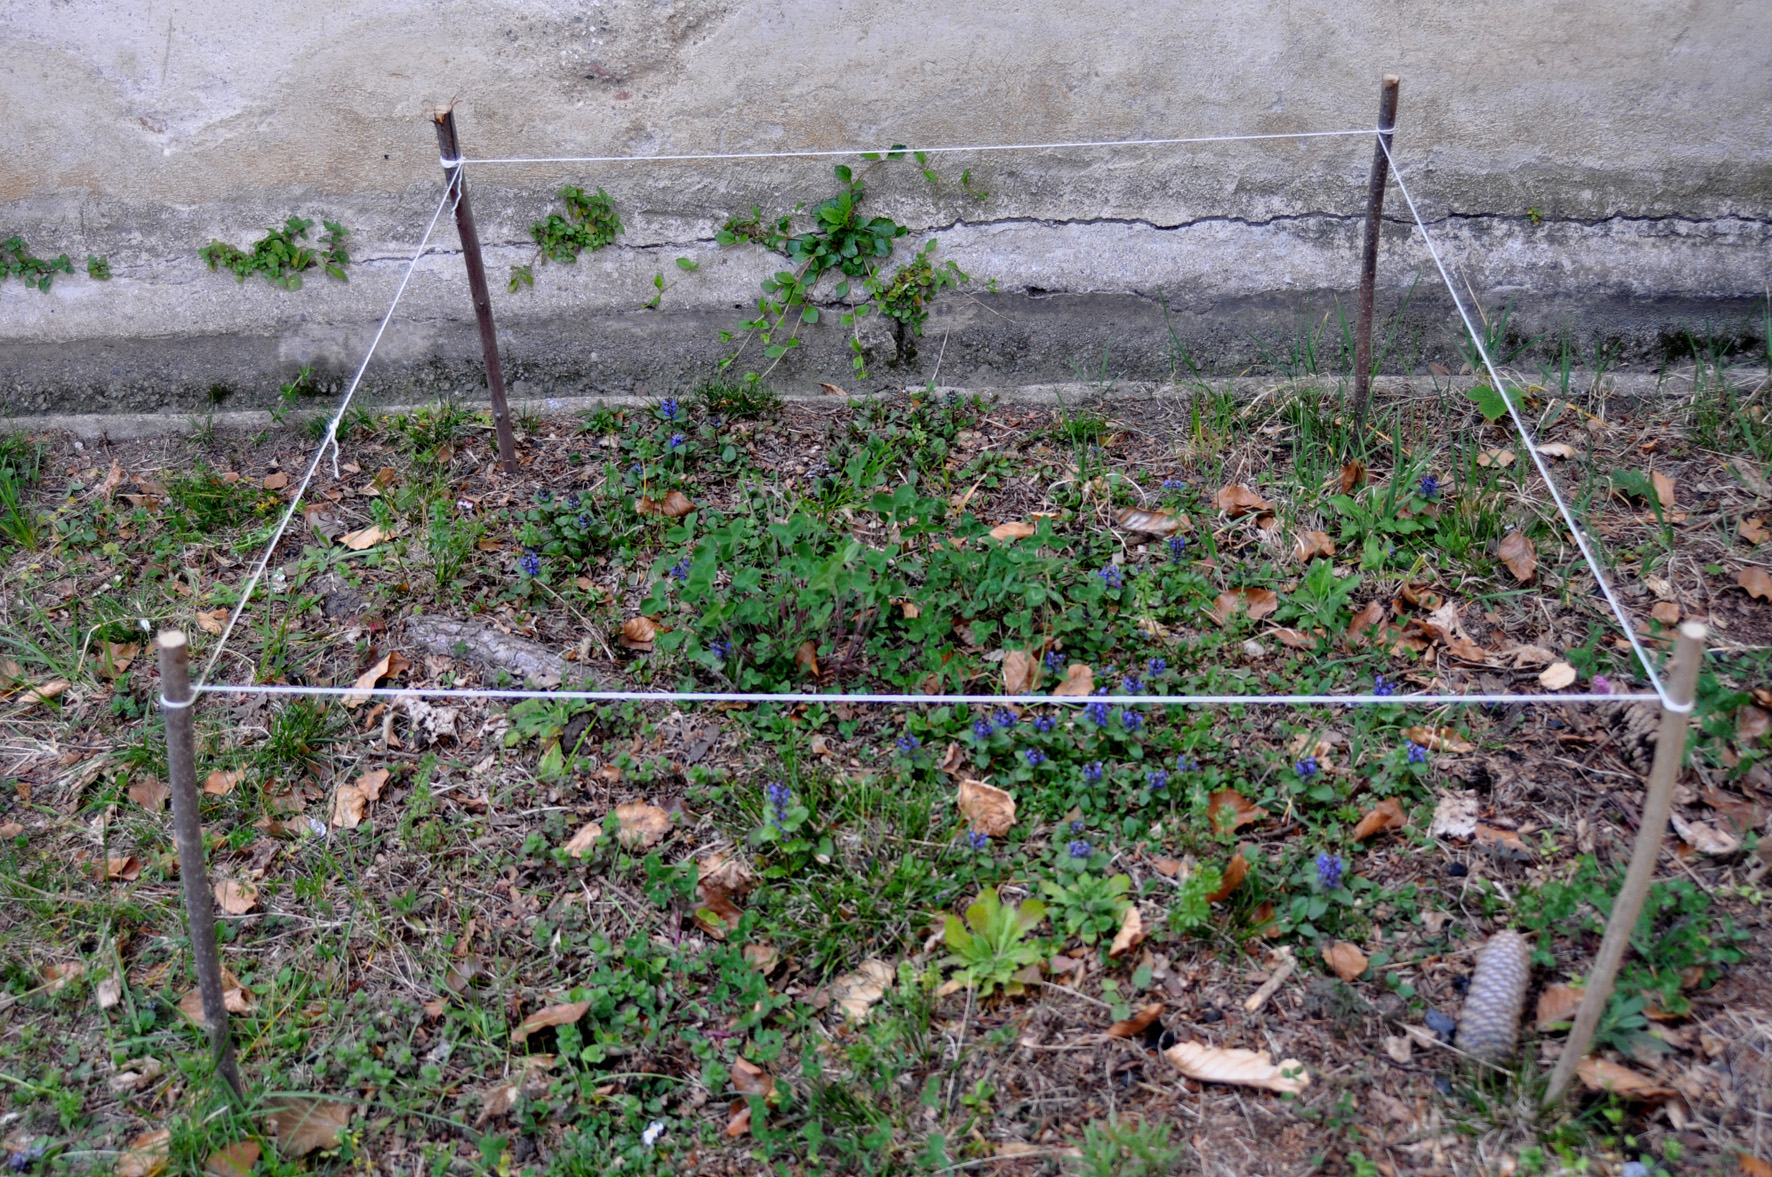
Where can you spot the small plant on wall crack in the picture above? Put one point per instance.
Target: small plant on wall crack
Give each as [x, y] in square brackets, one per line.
[659, 284]
[590, 223]
[16, 261]
[283, 255]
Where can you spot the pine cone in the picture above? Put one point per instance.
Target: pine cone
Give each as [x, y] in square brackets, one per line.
[1635, 732]
[1489, 1027]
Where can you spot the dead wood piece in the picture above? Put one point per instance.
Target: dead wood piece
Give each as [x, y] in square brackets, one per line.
[487, 647]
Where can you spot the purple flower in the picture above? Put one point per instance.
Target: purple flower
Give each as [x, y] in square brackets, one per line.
[1110, 576]
[1329, 868]
[676, 441]
[1054, 661]
[1157, 779]
[1092, 772]
[680, 570]
[1035, 757]
[1155, 667]
[1077, 827]
[1177, 547]
[531, 563]
[1383, 686]
[981, 729]
[1044, 723]
[977, 840]
[1081, 849]
[584, 521]
[1097, 711]
[1003, 719]
[1132, 720]
[1417, 754]
[1306, 767]
[1174, 484]
[572, 502]
[1429, 487]
[1130, 685]
[779, 797]
[1601, 685]
[1186, 764]
[908, 743]
[669, 408]
[720, 649]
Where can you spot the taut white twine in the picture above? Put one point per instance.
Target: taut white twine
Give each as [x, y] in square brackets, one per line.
[1527, 440]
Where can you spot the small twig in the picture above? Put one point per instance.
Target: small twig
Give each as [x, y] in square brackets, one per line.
[1259, 998]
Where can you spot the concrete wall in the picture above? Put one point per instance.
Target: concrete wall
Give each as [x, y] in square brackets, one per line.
[1634, 130]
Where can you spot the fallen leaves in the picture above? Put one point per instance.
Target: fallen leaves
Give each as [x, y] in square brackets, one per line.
[1353, 476]
[1556, 676]
[1753, 579]
[1079, 682]
[1230, 811]
[1444, 626]
[1386, 815]
[304, 1124]
[1557, 449]
[1438, 739]
[350, 802]
[1152, 523]
[1704, 837]
[1131, 934]
[149, 793]
[855, 993]
[235, 897]
[1237, 501]
[674, 505]
[1600, 1075]
[1138, 1023]
[1500, 459]
[721, 882]
[389, 665]
[1455, 816]
[1008, 533]
[1666, 612]
[1521, 558]
[1556, 1007]
[637, 633]
[364, 539]
[1243, 1068]
[1312, 544]
[1502, 843]
[212, 622]
[1753, 530]
[1235, 871]
[1021, 672]
[564, 1014]
[987, 809]
[1664, 488]
[146, 1155]
[1345, 959]
[233, 1160]
[1257, 602]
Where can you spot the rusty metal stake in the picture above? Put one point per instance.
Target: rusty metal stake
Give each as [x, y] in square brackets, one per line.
[176, 703]
[1670, 751]
[470, 250]
[1387, 118]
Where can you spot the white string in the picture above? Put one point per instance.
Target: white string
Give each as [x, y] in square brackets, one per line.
[902, 699]
[1527, 440]
[331, 439]
[883, 151]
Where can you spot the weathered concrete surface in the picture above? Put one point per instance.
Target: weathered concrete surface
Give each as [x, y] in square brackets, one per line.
[1634, 133]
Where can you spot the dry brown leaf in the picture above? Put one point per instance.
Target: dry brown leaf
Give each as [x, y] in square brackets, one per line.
[1666, 612]
[1230, 811]
[1079, 682]
[642, 825]
[1244, 1068]
[222, 781]
[114, 659]
[553, 1015]
[1753, 530]
[1557, 449]
[1258, 602]
[212, 622]
[145, 1155]
[765, 958]
[348, 805]
[1021, 672]
[109, 992]
[987, 809]
[722, 881]
[1752, 1166]
[1359, 631]
[855, 993]
[149, 793]
[1704, 837]
[43, 692]
[1143, 522]
[676, 505]
[637, 633]
[1294, 639]
[1521, 558]
[952, 760]
[1235, 871]
[1237, 501]
[580, 843]
[1664, 488]
[1455, 816]
[304, 1124]
[1438, 739]
[1138, 1023]
[1346, 959]
[233, 1160]
[1556, 676]
[806, 657]
[1601, 1075]
[57, 977]
[368, 537]
[738, 1122]
[276, 481]
[1556, 1006]
[1131, 934]
[832, 389]
[234, 1001]
[1754, 580]
[1499, 458]
[750, 1079]
[1386, 815]
[113, 479]
[1353, 476]
[371, 783]
[1312, 544]
[1008, 533]
[236, 897]
[1445, 627]
[1502, 843]
[11, 829]
[128, 868]
[389, 665]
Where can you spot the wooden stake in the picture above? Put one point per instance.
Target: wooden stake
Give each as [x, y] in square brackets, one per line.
[176, 704]
[470, 250]
[1387, 118]
[1670, 751]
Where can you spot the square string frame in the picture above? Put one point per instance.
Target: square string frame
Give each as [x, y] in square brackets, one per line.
[456, 169]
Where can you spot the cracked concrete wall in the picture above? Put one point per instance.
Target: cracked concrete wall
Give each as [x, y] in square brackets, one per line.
[1602, 169]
